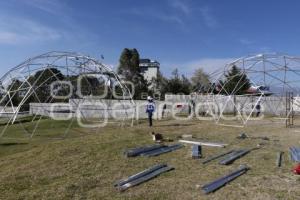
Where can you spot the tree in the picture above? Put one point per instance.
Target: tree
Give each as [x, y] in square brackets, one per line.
[130, 71]
[159, 85]
[200, 81]
[186, 85]
[236, 82]
[42, 80]
[14, 97]
[177, 84]
[14, 94]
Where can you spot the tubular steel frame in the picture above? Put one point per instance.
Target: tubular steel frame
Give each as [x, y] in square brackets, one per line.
[69, 64]
[277, 70]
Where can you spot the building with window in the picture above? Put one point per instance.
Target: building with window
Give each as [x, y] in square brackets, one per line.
[149, 69]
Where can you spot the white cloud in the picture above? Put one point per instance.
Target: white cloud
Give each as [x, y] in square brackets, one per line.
[178, 12]
[20, 30]
[208, 17]
[156, 14]
[49, 6]
[170, 18]
[7, 37]
[209, 65]
[246, 41]
[182, 6]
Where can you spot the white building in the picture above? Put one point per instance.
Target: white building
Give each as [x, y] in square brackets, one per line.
[149, 69]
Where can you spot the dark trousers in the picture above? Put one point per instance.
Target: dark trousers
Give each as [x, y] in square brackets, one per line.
[257, 113]
[150, 118]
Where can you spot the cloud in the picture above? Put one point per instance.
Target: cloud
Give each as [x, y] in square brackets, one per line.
[208, 17]
[170, 18]
[209, 65]
[266, 49]
[182, 6]
[206, 12]
[246, 41]
[178, 12]
[7, 37]
[49, 6]
[156, 14]
[20, 30]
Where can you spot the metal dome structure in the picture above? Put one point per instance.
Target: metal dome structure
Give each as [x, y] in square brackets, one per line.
[55, 79]
[274, 82]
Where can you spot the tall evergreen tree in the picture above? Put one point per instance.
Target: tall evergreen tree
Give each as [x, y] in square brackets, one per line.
[43, 79]
[130, 71]
[159, 85]
[14, 97]
[236, 82]
[177, 84]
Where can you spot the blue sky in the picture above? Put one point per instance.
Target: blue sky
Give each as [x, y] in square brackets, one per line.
[186, 34]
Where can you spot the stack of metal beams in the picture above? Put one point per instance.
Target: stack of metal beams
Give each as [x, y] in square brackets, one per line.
[196, 151]
[153, 150]
[295, 154]
[229, 156]
[143, 176]
[233, 156]
[213, 186]
[216, 156]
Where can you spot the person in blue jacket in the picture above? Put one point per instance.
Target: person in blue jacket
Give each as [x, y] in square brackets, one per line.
[150, 108]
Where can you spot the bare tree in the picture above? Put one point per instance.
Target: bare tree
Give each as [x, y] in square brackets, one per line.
[200, 81]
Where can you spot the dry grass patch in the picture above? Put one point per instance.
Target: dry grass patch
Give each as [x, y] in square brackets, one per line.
[86, 164]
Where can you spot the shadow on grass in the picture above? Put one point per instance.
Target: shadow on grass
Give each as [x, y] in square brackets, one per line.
[167, 125]
[24, 120]
[12, 143]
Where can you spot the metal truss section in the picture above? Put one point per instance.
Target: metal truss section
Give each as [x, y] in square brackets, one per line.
[271, 76]
[63, 81]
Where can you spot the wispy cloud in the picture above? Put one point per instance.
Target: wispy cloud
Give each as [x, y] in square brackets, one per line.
[209, 65]
[20, 30]
[157, 14]
[181, 5]
[177, 12]
[245, 41]
[49, 6]
[170, 18]
[266, 49]
[7, 37]
[208, 17]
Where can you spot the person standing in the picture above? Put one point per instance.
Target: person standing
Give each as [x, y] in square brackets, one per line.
[150, 108]
[192, 106]
[258, 109]
[163, 111]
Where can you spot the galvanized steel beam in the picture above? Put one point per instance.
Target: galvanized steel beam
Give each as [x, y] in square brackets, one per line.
[162, 150]
[279, 158]
[216, 157]
[211, 144]
[144, 178]
[139, 175]
[295, 154]
[137, 151]
[215, 185]
[196, 151]
[233, 156]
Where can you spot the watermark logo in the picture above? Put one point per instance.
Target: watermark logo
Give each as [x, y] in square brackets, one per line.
[96, 112]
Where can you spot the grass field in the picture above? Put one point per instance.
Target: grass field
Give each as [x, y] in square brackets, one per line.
[87, 162]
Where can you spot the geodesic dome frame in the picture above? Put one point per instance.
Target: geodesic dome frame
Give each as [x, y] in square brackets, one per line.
[272, 76]
[57, 77]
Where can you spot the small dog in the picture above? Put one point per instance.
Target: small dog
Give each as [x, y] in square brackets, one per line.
[157, 137]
